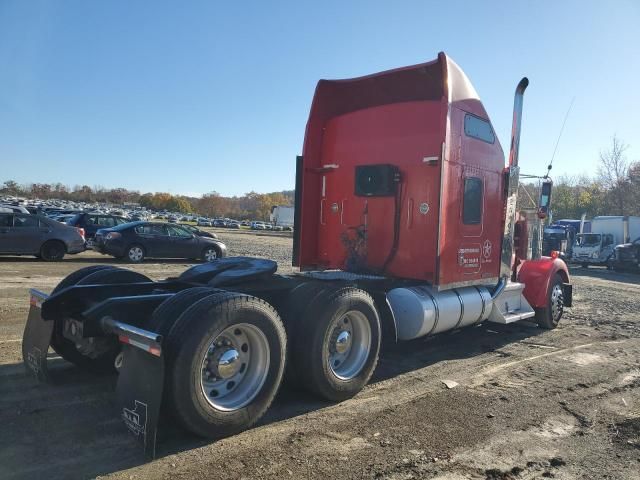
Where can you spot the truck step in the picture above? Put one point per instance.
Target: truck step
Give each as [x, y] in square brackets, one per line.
[511, 306]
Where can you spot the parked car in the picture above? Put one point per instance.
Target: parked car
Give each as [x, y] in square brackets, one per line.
[15, 208]
[26, 234]
[204, 222]
[92, 222]
[219, 223]
[197, 231]
[136, 241]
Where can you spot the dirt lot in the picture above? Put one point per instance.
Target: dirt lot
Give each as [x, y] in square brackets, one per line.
[529, 403]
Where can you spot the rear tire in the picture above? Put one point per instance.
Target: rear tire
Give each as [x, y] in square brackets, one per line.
[168, 312]
[213, 389]
[549, 317]
[135, 254]
[67, 349]
[338, 352]
[295, 309]
[53, 251]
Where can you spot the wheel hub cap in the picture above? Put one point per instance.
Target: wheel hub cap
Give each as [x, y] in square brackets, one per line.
[343, 342]
[228, 363]
[235, 367]
[349, 345]
[557, 302]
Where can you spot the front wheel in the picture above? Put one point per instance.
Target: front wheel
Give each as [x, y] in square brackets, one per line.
[336, 351]
[225, 357]
[209, 254]
[550, 316]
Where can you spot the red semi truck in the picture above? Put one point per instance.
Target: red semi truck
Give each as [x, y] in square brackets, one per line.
[404, 227]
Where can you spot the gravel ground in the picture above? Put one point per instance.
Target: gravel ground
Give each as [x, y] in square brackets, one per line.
[529, 403]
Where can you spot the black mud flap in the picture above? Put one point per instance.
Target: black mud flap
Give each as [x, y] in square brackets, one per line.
[567, 293]
[36, 338]
[140, 383]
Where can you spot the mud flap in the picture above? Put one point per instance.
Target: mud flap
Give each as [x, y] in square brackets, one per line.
[36, 338]
[140, 385]
[567, 293]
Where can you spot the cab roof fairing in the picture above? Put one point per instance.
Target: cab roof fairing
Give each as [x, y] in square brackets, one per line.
[440, 79]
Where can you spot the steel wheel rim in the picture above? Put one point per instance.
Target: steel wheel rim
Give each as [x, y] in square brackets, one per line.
[135, 254]
[557, 302]
[210, 254]
[234, 367]
[349, 345]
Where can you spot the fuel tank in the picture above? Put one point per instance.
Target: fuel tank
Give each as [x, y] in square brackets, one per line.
[421, 311]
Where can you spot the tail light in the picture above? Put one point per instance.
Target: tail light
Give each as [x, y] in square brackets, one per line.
[113, 235]
[80, 231]
[555, 254]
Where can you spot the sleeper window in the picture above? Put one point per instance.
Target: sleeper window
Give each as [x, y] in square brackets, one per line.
[479, 128]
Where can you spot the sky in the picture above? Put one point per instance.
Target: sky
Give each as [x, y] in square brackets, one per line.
[200, 96]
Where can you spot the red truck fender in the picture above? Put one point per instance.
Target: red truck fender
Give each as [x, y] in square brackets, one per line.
[536, 275]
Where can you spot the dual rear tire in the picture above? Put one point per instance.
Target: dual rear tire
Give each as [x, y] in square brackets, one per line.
[225, 354]
[225, 359]
[225, 351]
[337, 343]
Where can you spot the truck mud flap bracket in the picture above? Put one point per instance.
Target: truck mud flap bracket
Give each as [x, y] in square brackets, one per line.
[36, 338]
[140, 383]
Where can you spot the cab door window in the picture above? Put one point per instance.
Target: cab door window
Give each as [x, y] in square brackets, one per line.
[472, 201]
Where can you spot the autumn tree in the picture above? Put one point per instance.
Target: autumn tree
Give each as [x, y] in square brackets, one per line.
[613, 174]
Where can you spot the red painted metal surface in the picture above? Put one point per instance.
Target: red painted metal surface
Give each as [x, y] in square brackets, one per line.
[412, 118]
[537, 274]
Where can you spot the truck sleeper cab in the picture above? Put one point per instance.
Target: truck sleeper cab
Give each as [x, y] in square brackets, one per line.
[404, 228]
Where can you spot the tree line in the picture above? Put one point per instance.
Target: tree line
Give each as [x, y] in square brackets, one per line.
[613, 190]
[249, 206]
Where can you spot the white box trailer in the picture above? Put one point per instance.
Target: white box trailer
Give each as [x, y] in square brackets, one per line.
[596, 248]
[282, 215]
[621, 228]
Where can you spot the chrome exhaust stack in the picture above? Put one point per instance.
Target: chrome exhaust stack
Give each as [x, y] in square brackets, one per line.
[512, 177]
[516, 124]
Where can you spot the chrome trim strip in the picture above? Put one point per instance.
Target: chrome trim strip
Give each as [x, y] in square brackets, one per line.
[461, 308]
[466, 283]
[436, 309]
[484, 306]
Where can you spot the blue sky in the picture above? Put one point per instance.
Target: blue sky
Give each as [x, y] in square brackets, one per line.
[191, 97]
